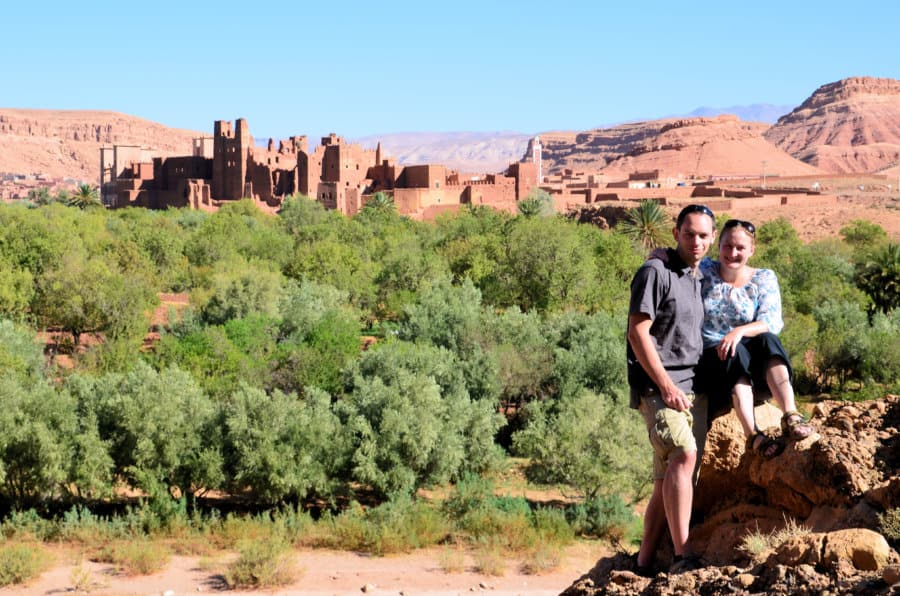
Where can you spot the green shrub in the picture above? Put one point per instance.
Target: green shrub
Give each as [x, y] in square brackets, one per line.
[279, 446]
[606, 516]
[20, 563]
[889, 521]
[411, 420]
[136, 557]
[23, 525]
[586, 452]
[392, 527]
[262, 564]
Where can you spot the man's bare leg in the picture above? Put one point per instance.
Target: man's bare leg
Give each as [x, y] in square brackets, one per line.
[654, 524]
[678, 497]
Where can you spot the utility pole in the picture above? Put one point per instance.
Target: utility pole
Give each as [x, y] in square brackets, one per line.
[764, 174]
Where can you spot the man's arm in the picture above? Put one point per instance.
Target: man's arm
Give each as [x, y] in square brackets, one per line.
[645, 351]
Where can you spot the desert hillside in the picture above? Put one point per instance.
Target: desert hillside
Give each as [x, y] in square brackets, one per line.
[698, 147]
[66, 143]
[852, 125]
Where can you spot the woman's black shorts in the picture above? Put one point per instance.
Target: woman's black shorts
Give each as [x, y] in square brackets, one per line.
[717, 377]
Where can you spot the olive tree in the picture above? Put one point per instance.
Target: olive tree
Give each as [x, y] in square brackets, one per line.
[411, 421]
[278, 446]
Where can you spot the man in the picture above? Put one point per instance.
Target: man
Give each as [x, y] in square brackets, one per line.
[664, 346]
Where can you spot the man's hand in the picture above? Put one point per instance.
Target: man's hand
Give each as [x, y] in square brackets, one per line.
[645, 351]
[675, 398]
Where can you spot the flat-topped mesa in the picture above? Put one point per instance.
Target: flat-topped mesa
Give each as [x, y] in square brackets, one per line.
[852, 125]
[847, 89]
[699, 121]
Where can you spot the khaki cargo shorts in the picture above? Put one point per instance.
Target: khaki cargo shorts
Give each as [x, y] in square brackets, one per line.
[672, 432]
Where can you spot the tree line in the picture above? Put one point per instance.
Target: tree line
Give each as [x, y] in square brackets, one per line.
[489, 335]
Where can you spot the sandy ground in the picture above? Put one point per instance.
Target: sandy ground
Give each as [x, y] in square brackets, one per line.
[319, 573]
[818, 222]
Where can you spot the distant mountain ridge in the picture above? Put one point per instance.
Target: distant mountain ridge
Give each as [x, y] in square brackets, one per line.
[463, 151]
[757, 112]
[851, 125]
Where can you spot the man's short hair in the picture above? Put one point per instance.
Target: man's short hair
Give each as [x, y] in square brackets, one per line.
[694, 209]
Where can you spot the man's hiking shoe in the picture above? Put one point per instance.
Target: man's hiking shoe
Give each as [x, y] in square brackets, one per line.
[683, 564]
[641, 570]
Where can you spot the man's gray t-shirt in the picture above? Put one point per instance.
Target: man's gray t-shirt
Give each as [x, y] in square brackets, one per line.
[669, 292]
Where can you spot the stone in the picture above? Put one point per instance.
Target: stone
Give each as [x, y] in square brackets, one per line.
[867, 550]
[804, 549]
[745, 580]
[891, 574]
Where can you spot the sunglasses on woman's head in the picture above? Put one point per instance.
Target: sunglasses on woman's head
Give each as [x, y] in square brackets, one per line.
[739, 223]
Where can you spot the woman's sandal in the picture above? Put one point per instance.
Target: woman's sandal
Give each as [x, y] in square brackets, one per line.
[795, 426]
[764, 445]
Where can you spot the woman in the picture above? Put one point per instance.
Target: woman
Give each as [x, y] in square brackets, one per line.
[742, 307]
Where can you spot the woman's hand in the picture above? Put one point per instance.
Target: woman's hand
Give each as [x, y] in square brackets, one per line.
[728, 346]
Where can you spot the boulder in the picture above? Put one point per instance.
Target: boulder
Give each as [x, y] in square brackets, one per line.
[867, 550]
[813, 511]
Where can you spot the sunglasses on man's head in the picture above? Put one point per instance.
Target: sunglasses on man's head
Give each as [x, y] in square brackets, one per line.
[694, 209]
[739, 223]
[698, 209]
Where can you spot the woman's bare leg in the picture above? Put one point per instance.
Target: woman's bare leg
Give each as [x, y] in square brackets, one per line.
[742, 399]
[780, 385]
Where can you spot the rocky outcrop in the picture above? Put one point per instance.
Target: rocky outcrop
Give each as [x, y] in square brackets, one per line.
[852, 125]
[66, 143]
[822, 495]
[698, 147]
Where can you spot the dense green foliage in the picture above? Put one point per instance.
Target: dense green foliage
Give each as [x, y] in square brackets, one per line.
[323, 355]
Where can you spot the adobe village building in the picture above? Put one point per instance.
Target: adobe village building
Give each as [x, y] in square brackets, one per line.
[342, 176]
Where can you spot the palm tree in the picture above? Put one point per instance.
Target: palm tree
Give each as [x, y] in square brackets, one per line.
[646, 225]
[538, 202]
[40, 196]
[879, 277]
[85, 196]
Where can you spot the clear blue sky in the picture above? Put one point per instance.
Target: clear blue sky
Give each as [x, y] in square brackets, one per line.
[363, 68]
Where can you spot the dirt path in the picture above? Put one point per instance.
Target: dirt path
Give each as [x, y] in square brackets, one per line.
[320, 573]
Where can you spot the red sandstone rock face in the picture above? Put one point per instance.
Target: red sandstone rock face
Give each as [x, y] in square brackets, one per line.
[852, 125]
[66, 143]
[700, 147]
[834, 484]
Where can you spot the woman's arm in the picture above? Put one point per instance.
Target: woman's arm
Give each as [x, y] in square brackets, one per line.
[729, 343]
[768, 306]
[768, 314]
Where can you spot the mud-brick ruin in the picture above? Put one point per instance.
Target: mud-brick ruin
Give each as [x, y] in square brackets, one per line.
[342, 176]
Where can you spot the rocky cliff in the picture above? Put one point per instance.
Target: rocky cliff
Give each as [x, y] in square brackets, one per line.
[700, 147]
[66, 143]
[822, 497]
[852, 125]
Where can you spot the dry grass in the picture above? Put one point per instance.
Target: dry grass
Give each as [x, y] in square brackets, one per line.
[139, 557]
[543, 558]
[490, 558]
[757, 543]
[453, 558]
[262, 564]
[21, 562]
